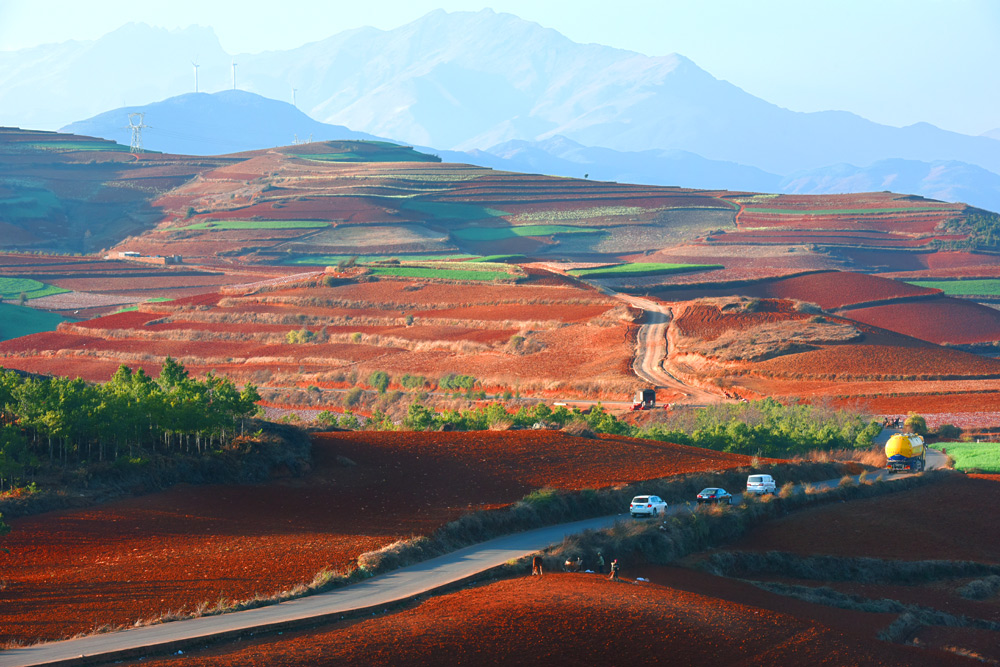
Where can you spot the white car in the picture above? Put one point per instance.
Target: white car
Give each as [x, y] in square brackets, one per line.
[647, 506]
[760, 484]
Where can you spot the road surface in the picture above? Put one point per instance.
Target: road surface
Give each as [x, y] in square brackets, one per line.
[387, 588]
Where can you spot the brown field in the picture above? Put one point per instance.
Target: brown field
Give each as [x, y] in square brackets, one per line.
[566, 619]
[938, 320]
[72, 571]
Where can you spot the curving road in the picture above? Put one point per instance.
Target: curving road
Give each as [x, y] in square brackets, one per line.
[651, 351]
[370, 594]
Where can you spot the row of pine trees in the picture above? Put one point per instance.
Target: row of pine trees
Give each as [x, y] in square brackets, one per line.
[56, 421]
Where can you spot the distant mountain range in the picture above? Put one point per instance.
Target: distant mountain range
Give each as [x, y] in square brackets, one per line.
[469, 81]
[232, 121]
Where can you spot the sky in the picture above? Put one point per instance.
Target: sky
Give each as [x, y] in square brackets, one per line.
[895, 62]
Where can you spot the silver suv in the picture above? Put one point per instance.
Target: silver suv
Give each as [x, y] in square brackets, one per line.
[760, 484]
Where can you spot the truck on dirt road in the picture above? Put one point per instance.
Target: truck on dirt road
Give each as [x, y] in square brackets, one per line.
[645, 399]
[905, 452]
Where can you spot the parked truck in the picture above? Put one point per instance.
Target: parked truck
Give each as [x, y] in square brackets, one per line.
[645, 399]
[904, 452]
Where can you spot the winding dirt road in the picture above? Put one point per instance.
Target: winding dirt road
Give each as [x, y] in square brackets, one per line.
[651, 351]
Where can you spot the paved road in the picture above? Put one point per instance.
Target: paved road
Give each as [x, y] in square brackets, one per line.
[392, 587]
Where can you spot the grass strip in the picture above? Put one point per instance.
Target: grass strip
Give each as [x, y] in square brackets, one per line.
[973, 456]
[440, 274]
[13, 288]
[977, 287]
[640, 269]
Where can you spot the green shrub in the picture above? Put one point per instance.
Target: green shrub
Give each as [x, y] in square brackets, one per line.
[352, 396]
[379, 380]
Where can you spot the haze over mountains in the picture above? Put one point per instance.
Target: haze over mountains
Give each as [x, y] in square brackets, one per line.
[493, 82]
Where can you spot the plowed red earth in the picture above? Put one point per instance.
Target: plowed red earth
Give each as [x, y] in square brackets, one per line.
[938, 320]
[888, 358]
[71, 571]
[566, 619]
[936, 527]
[926, 523]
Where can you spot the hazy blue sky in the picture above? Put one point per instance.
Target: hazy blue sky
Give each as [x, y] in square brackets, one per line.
[892, 61]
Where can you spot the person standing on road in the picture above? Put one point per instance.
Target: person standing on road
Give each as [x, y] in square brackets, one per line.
[614, 570]
[600, 563]
[536, 565]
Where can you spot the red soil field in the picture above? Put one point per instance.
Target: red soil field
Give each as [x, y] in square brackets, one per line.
[938, 320]
[70, 571]
[925, 404]
[707, 322]
[875, 358]
[523, 312]
[836, 289]
[565, 619]
[871, 527]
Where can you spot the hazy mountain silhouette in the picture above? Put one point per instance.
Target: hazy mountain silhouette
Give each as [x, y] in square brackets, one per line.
[202, 124]
[470, 80]
[563, 157]
[992, 134]
[947, 181]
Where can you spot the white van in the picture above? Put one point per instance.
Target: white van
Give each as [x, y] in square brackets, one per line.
[760, 484]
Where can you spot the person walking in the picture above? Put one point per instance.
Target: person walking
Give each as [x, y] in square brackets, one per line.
[614, 570]
[536, 566]
[600, 563]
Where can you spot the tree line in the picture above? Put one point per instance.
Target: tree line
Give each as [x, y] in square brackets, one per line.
[58, 421]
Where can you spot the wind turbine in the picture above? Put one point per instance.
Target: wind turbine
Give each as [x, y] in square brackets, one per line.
[234, 75]
[293, 96]
[196, 66]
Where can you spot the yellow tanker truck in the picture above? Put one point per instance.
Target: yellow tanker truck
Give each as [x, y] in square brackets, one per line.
[904, 452]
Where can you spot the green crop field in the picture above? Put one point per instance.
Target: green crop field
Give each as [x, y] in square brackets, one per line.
[839, 211]
[501, 258]
[12, 288]
[452, 210]
[475, 272]
[640, 269]
[980, 287]
[220, 225]
[75, 146]
[329, 260]
[499, 233]
[984, 456]
[130, 309]
[16, 321]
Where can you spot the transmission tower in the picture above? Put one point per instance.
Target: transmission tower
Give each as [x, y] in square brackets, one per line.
[136, 145]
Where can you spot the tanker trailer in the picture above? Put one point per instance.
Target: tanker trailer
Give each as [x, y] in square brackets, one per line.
[904, 452]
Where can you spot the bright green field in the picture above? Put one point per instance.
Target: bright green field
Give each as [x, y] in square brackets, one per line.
[129, 309]
[990, 286]
[11, 288]
[443, 274]
[258, 224]
[501, 258]
[982, 455]
[329, 260]
[640, 269]
[18, 321]
[499, 233]
[839, 211]
[74, 146]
